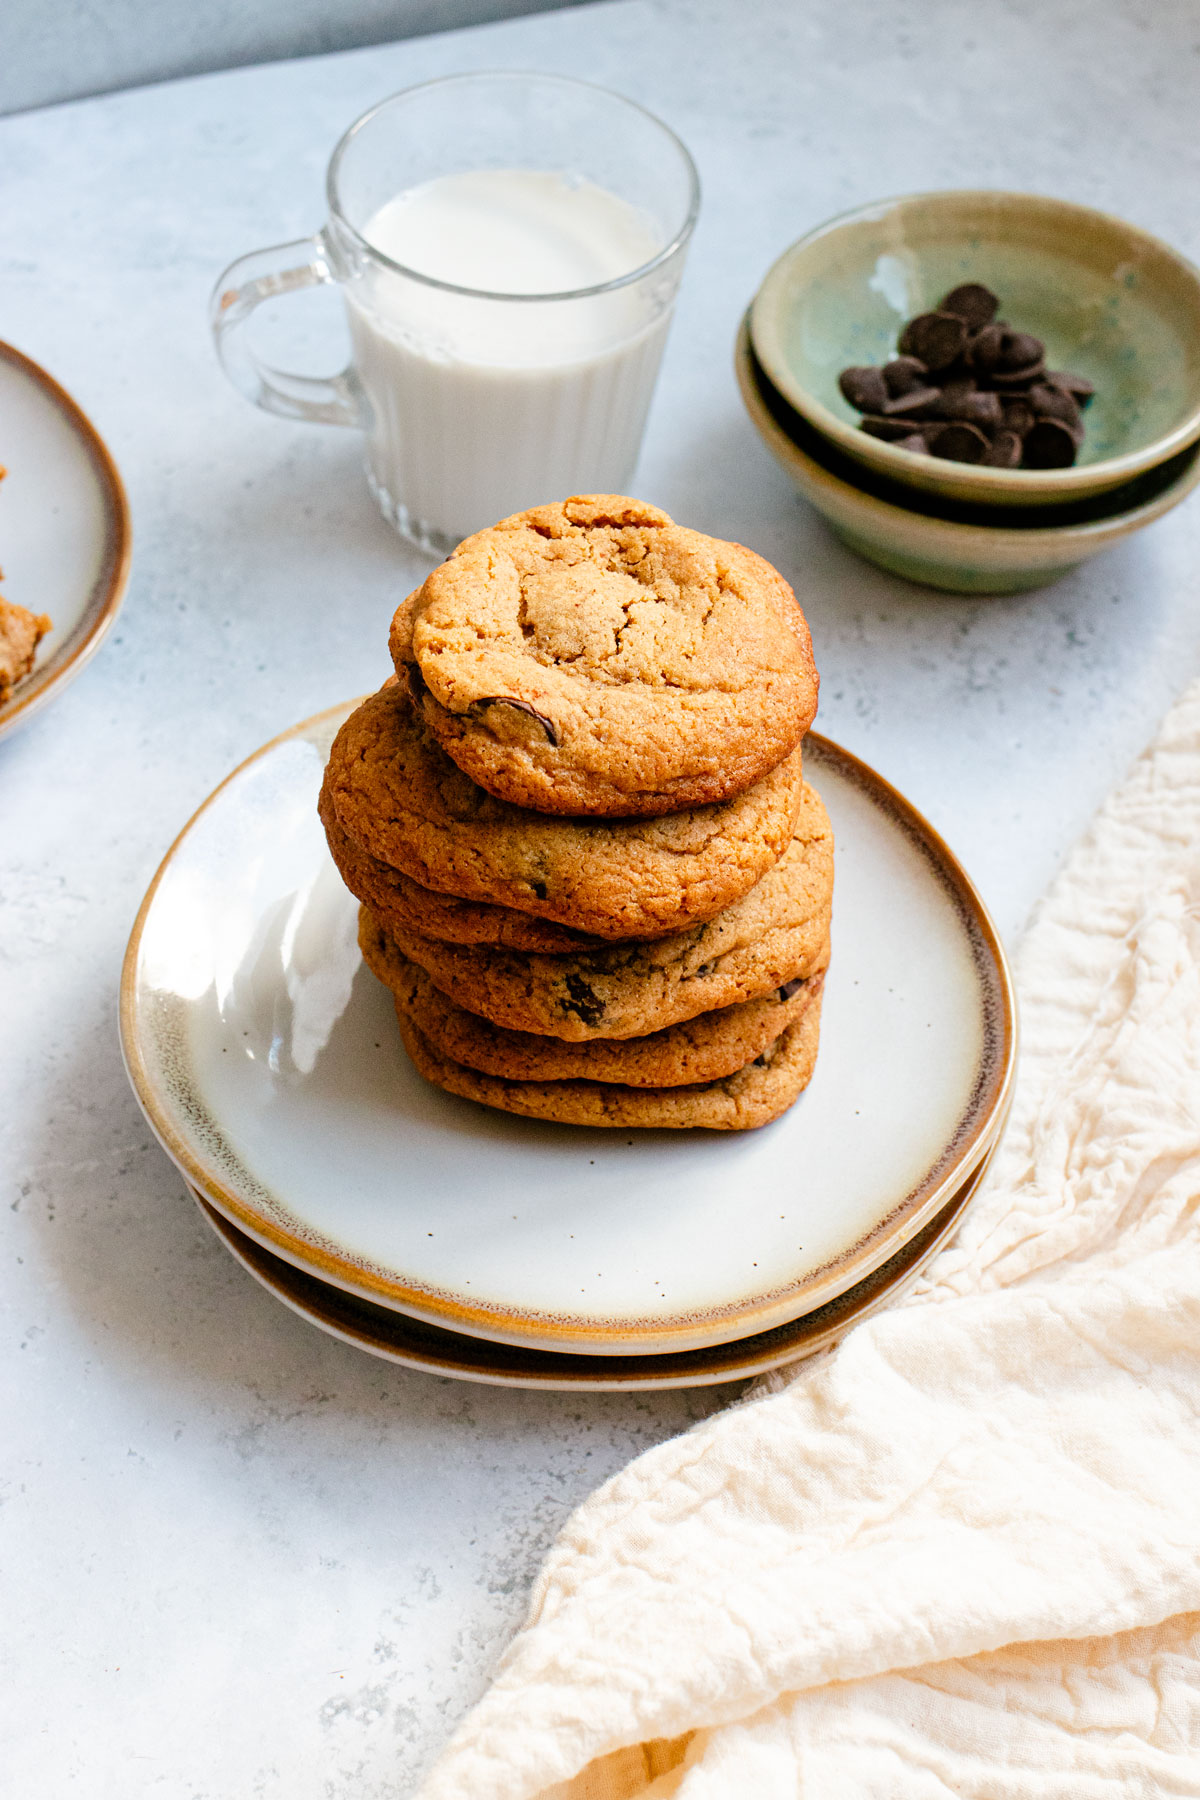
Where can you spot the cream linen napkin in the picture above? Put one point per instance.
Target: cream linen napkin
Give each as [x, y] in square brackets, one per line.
[958, 1555]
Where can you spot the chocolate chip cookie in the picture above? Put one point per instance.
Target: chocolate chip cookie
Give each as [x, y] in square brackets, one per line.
[775, 934]
[397, 901]
[593, 657]
[703, 1049]
[398, 795]
[753, 1096]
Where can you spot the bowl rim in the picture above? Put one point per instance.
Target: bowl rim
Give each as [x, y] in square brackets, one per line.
[1076, 481]
[1080, 537]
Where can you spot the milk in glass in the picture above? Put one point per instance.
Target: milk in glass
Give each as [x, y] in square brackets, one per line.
[483, 403]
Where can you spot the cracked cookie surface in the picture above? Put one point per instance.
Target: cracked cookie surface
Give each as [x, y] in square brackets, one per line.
[400, 798]
[777, 933]
[593, 657]
[753, 1096]
[706, 1048]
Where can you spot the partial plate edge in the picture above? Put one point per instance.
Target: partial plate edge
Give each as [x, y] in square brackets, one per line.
[108, 591]
[433, 1350]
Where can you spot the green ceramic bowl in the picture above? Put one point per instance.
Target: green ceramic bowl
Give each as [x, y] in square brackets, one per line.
[1110, 302]
[951, 543]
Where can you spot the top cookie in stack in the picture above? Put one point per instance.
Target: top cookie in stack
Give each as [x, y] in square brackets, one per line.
[592, 874]
[596, 659]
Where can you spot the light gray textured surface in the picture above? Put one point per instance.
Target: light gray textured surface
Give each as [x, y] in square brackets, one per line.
[54, 50]
[238, 1558]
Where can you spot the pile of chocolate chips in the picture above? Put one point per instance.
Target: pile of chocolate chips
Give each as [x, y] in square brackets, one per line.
[968, 387]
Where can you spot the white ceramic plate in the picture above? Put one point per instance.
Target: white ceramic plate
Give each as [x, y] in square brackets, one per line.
[268, 1062]
[397, 1338]
[64, 527]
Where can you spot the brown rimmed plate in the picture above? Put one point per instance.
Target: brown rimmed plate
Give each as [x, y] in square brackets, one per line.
[415, 1345]
[65, 536]
[267, 1060]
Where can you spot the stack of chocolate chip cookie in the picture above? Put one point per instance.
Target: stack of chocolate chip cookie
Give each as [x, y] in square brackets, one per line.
[590, 869]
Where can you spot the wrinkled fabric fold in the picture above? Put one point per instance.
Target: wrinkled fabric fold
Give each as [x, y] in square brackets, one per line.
[959, 1554]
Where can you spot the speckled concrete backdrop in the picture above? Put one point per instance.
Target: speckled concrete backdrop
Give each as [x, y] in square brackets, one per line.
[239, 1559]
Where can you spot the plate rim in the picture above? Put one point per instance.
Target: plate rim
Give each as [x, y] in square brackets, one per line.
[108, 592]
[529, 1328]
[638, 1375]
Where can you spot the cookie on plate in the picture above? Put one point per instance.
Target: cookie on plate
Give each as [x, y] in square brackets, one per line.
[398, 901]
[397, 794]
[753, 1096]
[775, 934]
[593, 657]
[703, 1049]
[20, 634]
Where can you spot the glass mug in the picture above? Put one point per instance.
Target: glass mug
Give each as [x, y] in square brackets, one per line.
[479, 399]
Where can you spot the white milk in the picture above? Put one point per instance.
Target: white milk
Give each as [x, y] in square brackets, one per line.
[483, 406]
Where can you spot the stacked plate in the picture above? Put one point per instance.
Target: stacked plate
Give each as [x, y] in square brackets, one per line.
[1107, 300]
[477, 1244]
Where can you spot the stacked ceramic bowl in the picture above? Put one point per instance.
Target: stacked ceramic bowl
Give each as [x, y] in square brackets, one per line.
[1107, 300]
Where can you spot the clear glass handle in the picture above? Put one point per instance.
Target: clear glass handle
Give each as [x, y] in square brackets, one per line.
[263, 275]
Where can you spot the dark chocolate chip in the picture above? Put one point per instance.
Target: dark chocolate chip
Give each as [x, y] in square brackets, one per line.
[903, 374]
[1017, 380]
[1051, 402]
[1018, 414]
[972, 302]
[958, 443]
[864, 388]
[1002, 353]
[547, 725]
[963, 400]
[959, 370]
[890, 430]
[950, 401]
[935, 337]
[583, 1001]
[916, 444]
[1049, 444]
[1004, 452]
[985, 348]
[914, 404]
[1078, 386]
[983, 409]
[791, 987]
[1018, 351]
